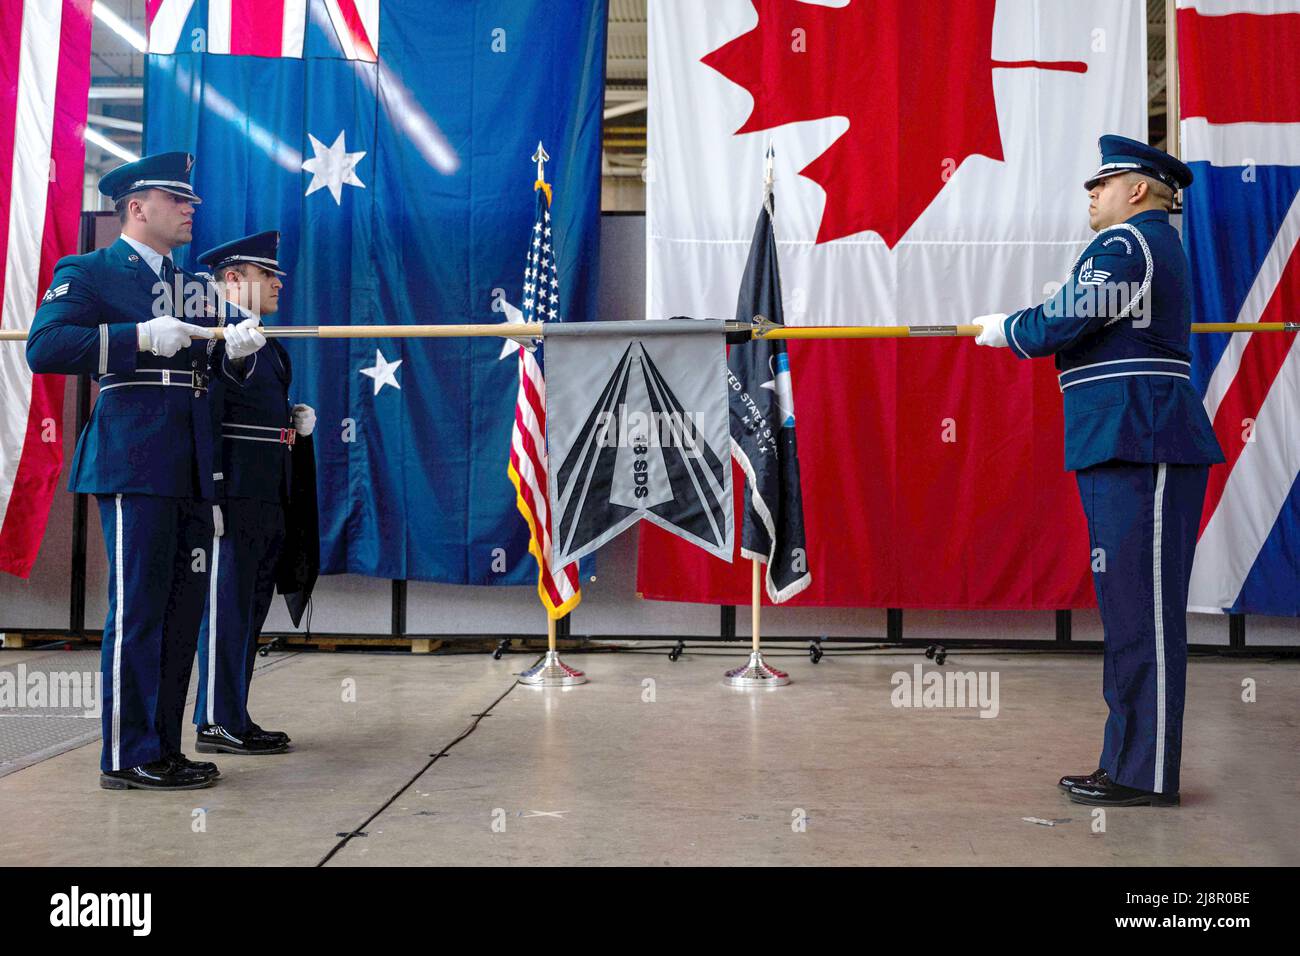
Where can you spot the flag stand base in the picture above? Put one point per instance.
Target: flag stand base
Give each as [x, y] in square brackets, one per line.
[550, 671]
[757, 673]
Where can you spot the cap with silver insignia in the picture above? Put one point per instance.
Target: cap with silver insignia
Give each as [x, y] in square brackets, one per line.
[1119, 154]
[261, 249]
[169, 172]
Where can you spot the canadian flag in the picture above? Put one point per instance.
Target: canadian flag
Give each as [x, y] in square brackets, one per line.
[930, 160]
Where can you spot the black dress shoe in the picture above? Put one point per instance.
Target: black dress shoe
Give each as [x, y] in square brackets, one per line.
[279, 735]
[1065, 783]
[202, 766]
[278, 742]
[1104, 792]
[213, 738]
[165, 774]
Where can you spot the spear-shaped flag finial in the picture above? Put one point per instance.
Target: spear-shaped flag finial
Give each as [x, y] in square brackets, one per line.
[540, 157]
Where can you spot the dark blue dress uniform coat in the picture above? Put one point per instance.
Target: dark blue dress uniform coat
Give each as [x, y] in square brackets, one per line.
[1139, 440]
[257, 440]
[148, 454]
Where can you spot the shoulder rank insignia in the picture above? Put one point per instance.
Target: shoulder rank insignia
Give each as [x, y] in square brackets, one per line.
[1091, 276]
[55, 292]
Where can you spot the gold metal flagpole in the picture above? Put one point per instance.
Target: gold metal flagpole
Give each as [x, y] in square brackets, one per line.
[768, 331]
[757, 672]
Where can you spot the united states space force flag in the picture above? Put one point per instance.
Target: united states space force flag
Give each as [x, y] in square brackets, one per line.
[762, 426]
[637, 429]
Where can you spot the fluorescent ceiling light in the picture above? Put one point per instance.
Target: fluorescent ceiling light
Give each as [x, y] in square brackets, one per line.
[119, 26]
[96, 138]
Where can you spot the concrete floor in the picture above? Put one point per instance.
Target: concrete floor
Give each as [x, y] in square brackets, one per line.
[655, 762]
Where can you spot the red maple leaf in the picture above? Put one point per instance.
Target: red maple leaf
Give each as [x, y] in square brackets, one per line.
[913, 77]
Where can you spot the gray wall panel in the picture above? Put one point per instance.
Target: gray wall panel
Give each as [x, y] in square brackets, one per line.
[42, 600]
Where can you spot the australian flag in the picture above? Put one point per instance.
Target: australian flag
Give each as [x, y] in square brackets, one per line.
[762, 425]
[386, 140]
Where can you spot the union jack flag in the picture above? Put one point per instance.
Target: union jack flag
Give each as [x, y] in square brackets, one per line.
[558, 590]
[273, 28]
[1240, 101]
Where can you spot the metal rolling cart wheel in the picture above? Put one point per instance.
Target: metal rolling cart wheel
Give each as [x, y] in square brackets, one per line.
[276, 643]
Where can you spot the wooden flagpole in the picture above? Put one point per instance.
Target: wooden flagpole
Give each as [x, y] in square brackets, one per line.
[756, 672]
[532, 330]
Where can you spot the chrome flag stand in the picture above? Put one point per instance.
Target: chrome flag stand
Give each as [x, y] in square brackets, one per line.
[550, 671]
[756, 673]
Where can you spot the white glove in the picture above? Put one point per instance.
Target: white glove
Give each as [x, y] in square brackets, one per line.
[304, 419]
[218, 522]
[166, 336]
[991, 330]
[243, 340]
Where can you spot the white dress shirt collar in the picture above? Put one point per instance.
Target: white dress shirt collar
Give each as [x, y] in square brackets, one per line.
[152, 257]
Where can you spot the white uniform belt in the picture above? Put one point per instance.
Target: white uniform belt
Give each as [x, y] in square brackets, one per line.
[264, 433]
[154, 376]
[1125, 368]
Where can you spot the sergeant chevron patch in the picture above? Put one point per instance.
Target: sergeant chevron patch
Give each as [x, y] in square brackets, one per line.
[1088, 275]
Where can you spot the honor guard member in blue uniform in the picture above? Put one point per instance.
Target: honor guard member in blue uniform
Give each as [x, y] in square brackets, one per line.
[258, 430]
[147, 455]
[1140, 444]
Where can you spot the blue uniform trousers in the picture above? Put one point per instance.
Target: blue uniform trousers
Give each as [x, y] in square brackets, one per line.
[1142, 526]
[158, 558]
[239, 599]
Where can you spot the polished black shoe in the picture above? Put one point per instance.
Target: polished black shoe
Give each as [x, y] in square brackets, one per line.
[277, 742]
[1104, 792]
[202, 766]
[166, 774]
[1065, 783]
[279, 735]
[213, 739]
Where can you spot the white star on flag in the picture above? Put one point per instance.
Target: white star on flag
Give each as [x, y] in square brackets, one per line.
[509, 347]
[383, 372]
[332, 167]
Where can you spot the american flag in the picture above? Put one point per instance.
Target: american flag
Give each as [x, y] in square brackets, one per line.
[1240, 98]
[44, 76]
[559, 591]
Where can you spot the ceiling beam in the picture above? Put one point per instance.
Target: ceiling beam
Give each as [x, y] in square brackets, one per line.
[117, 93]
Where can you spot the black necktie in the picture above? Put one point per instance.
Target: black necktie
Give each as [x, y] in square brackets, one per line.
[168, 276]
